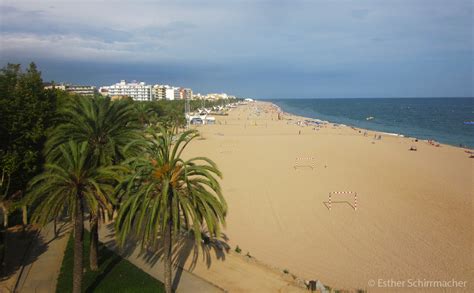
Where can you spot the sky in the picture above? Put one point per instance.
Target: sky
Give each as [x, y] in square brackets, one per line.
[259, 49]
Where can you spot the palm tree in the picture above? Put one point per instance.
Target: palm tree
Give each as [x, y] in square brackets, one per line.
[145, 113]
[107, 127]
[74, 182]
[167, 194]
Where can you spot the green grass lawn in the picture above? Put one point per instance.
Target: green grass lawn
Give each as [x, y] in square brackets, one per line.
[115, 274]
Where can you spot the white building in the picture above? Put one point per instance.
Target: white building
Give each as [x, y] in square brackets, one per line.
[172, 93]
[82, 90]
[169, 93]
[215, 96]
[138, 91]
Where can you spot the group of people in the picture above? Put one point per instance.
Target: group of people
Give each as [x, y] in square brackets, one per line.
[433, 143]
[376, 137]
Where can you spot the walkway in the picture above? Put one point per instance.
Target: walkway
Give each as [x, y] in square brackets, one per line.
[43, 261]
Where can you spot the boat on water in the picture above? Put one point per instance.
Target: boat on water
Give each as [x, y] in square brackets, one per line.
[369, 118]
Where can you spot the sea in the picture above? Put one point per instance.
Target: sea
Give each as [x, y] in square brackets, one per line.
[446, 120]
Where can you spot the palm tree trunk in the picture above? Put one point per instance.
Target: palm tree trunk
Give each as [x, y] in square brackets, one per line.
[5, 217]
[78, 246]
[94, 247]
[25, 215]
[167, 257]
[55, 227]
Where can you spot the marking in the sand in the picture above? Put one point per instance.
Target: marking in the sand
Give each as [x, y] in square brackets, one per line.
[227, 148]
[301, 162]
[344, 193]
[275, 216]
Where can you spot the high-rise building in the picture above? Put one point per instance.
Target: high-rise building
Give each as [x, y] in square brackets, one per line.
[159, 91]
[172, 93]
[186, 93]
[138, 91]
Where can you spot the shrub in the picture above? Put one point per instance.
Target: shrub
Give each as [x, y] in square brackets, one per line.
[238, 250]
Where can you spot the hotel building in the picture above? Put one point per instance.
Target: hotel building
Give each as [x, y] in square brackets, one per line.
[138, 91]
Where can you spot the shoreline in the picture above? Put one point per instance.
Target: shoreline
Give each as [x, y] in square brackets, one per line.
[400, 135]
[467, 147]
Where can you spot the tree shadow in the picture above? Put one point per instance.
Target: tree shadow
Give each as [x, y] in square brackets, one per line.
[104, 255]
[61, 230]
[23, 246]
[184, 247]
[187, 245]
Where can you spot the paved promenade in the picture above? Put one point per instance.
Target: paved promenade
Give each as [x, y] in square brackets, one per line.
[43, 261]
[46, 254]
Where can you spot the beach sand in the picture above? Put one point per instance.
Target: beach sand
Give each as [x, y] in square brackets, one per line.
[414, 217]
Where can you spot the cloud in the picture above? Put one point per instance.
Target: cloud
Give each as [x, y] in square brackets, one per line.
[15, 12]
[284, 41]
[172, 30]
[360, 13]
[286, 30]
[71, 47]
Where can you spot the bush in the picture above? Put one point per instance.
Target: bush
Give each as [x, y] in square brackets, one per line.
[238, 250]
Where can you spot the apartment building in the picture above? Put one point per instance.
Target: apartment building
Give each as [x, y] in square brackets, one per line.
[138, 91]
[172, 93]
[83, 90]
[186, 94]
[159, 91]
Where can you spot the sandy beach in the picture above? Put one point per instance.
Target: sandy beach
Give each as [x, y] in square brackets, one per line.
[414, 217]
